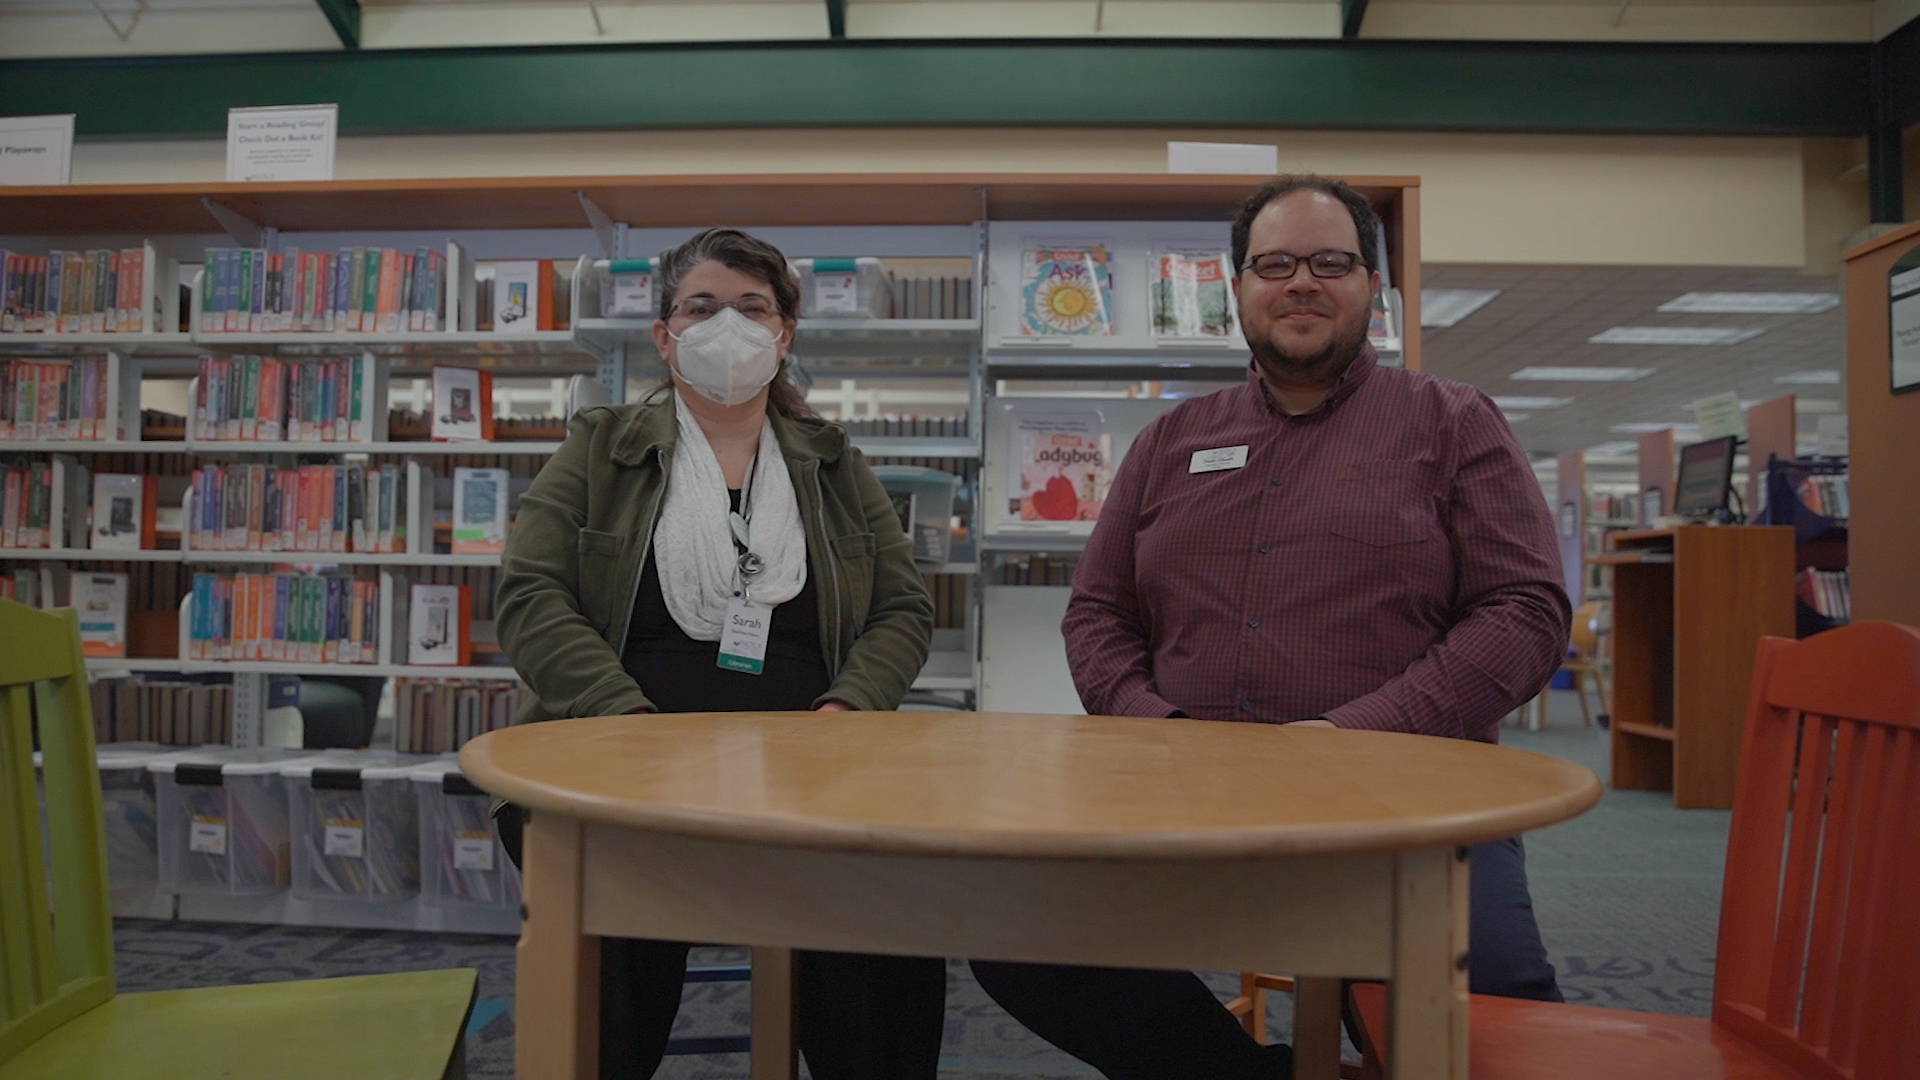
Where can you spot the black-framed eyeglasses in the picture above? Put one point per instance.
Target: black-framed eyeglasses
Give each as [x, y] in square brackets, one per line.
[1280, 266]
[702, 308]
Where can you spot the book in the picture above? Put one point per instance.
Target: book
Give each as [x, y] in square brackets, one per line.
[440, 625]
[479, 510]
[462, 404]
[75, 292]
[438, 716]
[54, 400]
[1060, 465]
[101, 603]
[522, 296]
[1066, 291]
[296, 618]
[1190, 295]
[125, 512]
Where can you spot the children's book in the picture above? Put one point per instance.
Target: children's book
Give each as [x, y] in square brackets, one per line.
[1060, 466]
[1066, 291]
[1190, 295]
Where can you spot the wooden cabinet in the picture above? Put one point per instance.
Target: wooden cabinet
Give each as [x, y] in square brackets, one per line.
[1690, 605]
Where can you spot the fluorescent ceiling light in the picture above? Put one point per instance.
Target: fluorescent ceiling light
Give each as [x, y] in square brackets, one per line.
[1821, 377]
[1516, 417]
[1614, 449]
[1816, 406]
[1674, 335]
[1752, 303]
[1645, 427]
[1445, 307]
[1506, 403]
[1581, 374]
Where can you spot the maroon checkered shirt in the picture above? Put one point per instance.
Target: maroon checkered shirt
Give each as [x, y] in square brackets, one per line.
[1386, 561]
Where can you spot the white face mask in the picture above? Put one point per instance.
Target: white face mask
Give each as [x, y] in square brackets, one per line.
[728, 357]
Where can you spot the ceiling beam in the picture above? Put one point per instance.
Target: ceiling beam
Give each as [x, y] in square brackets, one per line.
[1352, 14]
[837, 18]
[1362, 84]
[344, 16]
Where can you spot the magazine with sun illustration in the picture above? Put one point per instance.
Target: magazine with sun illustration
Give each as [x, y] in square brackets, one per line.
[1066, 290]
[1190, 296]
[1059, 467]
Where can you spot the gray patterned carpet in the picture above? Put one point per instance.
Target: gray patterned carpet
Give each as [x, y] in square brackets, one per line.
[1628, 898]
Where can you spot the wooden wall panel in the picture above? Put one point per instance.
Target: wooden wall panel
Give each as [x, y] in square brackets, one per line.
[1657, 467]
[1770, 430]
[1884, 444]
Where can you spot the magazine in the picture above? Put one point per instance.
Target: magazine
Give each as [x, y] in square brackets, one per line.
[1059, 466]
[1190, 295]
[1066, 291]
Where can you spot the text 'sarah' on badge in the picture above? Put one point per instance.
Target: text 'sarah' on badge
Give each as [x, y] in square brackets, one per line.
[1218, 459]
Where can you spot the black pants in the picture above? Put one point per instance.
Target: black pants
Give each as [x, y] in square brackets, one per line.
[1135, 1024]
[858, 1017]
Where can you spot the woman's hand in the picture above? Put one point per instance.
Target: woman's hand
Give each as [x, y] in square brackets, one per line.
[834, 706]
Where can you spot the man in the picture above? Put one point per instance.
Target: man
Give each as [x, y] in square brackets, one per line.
[1332, 543]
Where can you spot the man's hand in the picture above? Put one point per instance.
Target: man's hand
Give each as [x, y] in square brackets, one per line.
[1315, 722]
[834, 706]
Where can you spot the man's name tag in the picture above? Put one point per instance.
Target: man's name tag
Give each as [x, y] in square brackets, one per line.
[743, 636]
[1218, 459]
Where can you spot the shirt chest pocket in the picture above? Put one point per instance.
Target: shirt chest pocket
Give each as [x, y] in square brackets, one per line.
[598, 582]
[1383, 504]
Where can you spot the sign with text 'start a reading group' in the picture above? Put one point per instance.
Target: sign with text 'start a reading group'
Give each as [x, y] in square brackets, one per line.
[281, 142]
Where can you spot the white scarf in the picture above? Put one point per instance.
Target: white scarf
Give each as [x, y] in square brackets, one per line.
[693, 543]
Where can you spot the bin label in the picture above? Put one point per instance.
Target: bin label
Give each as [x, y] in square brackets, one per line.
[346, 839]
[207, 835]
[473, 851]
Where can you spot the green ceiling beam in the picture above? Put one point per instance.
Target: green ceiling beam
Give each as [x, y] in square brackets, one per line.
[837, 18]
[1352, 14]
[345, 17]
[1784, 90]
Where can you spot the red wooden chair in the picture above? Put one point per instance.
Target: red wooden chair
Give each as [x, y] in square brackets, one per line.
[1818, 966]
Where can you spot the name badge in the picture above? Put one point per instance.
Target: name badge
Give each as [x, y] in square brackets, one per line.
[743, 636]
[1218, 459]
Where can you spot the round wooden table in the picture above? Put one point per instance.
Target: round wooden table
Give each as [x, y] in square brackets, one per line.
[1061, 839]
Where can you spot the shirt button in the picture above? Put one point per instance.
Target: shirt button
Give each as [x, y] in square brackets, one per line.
[1246, 705]
[1254, 622]
[1276, 481]
[1264, 548]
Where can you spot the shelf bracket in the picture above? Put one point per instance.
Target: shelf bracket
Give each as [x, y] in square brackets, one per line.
[244, 232]
[612, 234]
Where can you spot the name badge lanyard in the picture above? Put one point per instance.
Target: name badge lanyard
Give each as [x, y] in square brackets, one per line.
[747, 625]
[740, 522]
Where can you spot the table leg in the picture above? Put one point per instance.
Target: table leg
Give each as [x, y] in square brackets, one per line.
[557, 980]
[775, 1053]
[1427, 995]
[1316, 1028]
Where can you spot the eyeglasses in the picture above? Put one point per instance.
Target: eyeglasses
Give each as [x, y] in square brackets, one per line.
[702, 308]
[1280, 266]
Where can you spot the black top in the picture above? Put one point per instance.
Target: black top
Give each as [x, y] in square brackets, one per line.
[680, 674]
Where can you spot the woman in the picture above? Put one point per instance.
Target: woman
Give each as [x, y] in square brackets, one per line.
[723, 490]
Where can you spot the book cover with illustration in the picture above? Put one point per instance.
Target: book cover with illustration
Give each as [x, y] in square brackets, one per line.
[1060, 466]
[1066, 291]
[1190, 295]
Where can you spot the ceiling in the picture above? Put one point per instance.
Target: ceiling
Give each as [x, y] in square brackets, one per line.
[1545, 314]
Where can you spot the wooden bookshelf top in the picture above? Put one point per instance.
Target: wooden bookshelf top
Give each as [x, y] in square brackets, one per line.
[642, 201]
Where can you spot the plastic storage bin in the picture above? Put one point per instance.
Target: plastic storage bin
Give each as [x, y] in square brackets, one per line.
[924, 500]
[461, 861]
[844, 289]
[355, 827]
[222, 821]
[629, 289]
[129, 813]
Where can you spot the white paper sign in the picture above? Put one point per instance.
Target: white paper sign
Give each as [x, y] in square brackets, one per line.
[207, 835]
[1214, 157]
[1720, 416]
[473, 852]
[346, 839]
[36, 150]
[281, 142]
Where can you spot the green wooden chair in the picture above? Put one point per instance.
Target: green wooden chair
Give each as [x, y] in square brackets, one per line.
[59, 1015]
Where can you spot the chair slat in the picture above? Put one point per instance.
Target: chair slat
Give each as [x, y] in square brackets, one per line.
[1866, 671]
[1752, 880]
[1890, 986]
[1856, 948]
[1830, 897]
[83, 923]
[1803, 860]
[26, 928]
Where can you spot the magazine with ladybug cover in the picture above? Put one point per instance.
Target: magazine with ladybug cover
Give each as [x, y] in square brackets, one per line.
[1066, 290]
[1060, 467]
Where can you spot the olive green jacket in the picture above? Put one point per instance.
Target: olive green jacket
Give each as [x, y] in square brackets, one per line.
[573, 563]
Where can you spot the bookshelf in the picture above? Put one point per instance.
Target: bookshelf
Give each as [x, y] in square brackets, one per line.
[1690, 605]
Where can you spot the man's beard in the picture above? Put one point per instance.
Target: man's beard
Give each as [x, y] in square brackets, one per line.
[1319, 368]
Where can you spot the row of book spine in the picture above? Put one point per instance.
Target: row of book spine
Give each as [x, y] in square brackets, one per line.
[438, 716]
[295, 618]
[306, 508]
[268, 399]
[167, 712]
[55, 399]
[1827, 495]
[1827, 592]
[74, 292]
[933, 298]
[354, 290]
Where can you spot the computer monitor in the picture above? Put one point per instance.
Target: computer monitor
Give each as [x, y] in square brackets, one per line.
[1706, 478]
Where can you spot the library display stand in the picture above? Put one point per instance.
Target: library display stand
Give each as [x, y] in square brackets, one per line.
[1822, 595]
[963, 328]
[1690, 605]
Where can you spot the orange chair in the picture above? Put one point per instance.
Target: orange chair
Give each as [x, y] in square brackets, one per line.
[1588, 658]
[1818, 969]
